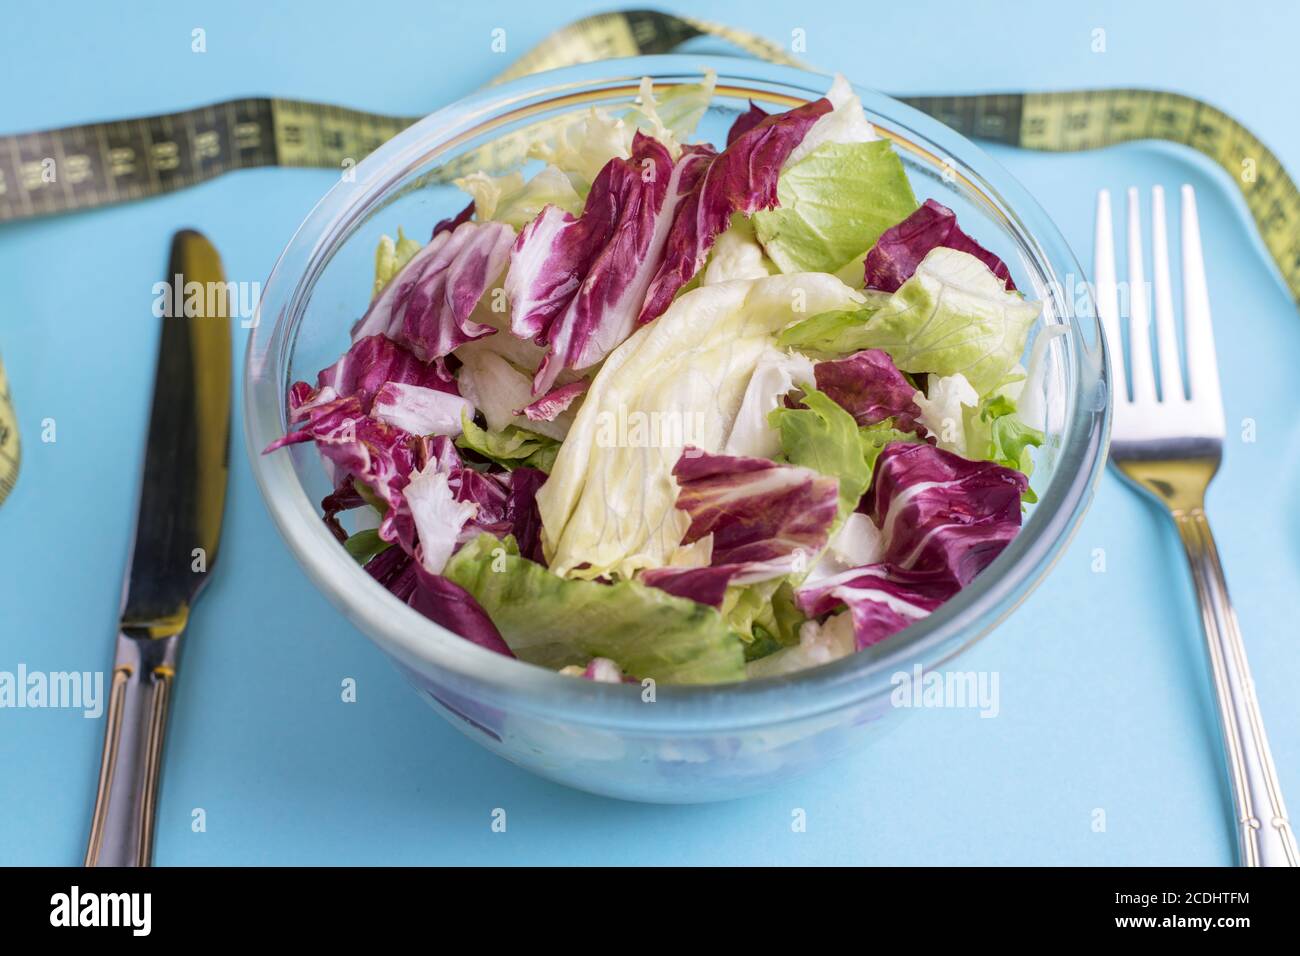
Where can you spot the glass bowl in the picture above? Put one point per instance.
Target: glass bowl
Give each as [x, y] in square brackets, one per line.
[680, 743]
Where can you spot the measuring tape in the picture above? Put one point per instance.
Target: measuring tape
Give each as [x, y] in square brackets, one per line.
[99, 164]
[10, 452]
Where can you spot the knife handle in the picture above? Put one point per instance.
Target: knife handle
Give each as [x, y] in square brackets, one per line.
[122, 826]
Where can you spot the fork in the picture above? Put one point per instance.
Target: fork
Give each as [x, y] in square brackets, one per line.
[1169, 444]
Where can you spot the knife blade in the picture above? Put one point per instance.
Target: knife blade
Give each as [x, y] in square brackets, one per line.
[174, 548]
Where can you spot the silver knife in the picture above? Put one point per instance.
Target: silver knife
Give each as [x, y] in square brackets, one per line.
[177, 530]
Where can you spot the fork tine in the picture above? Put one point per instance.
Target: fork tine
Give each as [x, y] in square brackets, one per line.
[1202, 364]
[1103, 265]
[1171, 373]
[1141, 371]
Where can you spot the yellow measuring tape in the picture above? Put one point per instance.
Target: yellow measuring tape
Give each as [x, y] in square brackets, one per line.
[81, 167]
[10, 452]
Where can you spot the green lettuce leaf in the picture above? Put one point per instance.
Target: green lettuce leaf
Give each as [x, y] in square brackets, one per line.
[581, 147]
[765, 608]
[390, 256]
[876, 437]
[994, 432]
[508, 198]
[953, 315]
[555, 622]
[364, 545]
[824, 437]
[833, 205]
[671, 116]
[509, 447]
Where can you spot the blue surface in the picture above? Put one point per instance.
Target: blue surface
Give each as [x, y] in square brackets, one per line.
[1104, 703]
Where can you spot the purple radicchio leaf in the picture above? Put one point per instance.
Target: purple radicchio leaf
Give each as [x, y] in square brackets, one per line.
[870, 387]
[939, 512]
[420, 410]
[942, 519]
[746, 121]
[767, 520]
[742, 178]
[427, 306]
[450, 223]
[900, 249]
[440, 600]
[881, 599]
[489, 493]
[368, 365]
[576, 285]
[447, 603]
[377, 454]
[555, 402]
[522, 513]
[707, 585]
[504, 502]
[343, 498]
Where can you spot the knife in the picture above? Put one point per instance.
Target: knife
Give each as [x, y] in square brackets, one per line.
[177, 531]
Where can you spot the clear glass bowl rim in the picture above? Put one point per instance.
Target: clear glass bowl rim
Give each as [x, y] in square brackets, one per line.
[421, 644]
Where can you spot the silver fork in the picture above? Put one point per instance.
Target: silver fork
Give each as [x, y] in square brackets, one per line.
[1169, 445]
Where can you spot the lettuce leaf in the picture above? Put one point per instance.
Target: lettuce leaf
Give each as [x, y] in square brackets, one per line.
[510, 447]
[818, 643]
[582, 147]
[510, 199]
[824, 437]
[737, 255]
[672, 115]
[875, 438]
[774, 376]
[554, 622]
[365, 544]
[833, 205]
[954, 315]
[944, 406]
[763, 610]
[833, 333]
[391, 256]
[609, 507]
[495, 386]
[995, 432]
[845, 123]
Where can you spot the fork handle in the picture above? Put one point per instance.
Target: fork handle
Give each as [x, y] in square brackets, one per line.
[1264, 834]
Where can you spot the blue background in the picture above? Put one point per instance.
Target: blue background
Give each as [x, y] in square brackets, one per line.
[1104, 702]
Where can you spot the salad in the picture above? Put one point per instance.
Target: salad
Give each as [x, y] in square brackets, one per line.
[684, 412]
